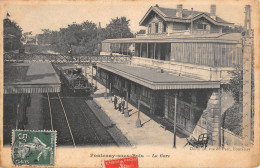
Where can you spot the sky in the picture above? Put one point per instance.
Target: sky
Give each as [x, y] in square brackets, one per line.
[54, 15]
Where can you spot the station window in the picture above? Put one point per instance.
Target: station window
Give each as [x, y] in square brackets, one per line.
[146, 92]
[156, 27]
[149, 28]
[164, 27]
[202, 26]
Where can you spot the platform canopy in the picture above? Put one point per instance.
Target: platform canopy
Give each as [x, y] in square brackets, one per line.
[155, 79]
[30, 78]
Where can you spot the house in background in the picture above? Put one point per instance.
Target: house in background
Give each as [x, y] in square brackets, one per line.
[159, 21]
[183, 52]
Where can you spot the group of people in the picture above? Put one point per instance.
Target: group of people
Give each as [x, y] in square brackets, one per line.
[119, 103]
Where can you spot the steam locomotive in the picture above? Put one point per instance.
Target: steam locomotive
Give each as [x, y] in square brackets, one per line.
[73, 79]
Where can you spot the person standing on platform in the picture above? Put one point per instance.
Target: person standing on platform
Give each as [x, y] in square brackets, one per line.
[123, 105]
[120, 104]
[115, 101]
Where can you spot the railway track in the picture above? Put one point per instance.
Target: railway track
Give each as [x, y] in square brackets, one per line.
[59, 121]
[75, 123]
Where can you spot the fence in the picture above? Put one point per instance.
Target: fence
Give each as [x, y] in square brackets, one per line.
[58, 58]
[230, 139]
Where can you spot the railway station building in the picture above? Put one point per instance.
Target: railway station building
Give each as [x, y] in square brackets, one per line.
[183, 52]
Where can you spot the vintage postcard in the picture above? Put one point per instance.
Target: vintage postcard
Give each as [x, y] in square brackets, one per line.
[129, 84]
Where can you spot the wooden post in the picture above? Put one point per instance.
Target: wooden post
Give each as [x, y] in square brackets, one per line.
[147, 51]
[126, 112]
[219, 118]
[154, 50]
[96, 77]
[175, 114]
[140, 49]
[92, 76]
[106, 87]
[110, 88]
[138, 122]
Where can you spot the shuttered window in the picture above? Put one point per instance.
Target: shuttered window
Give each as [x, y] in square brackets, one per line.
[153, 27]
[160, 27]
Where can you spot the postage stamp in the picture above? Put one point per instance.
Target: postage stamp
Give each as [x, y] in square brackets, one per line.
[33, 147]
[131, 162]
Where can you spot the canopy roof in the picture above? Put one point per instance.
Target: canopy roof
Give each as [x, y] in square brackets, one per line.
[156, 80]
[30, 78]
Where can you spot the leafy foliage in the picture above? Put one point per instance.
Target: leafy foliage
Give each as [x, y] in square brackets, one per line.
[118, 28]
[235, 85]
[232, 119]
[84, 38]
[12, 35]
[235, 29]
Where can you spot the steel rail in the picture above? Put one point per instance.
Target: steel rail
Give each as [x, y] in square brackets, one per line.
[67, 120]
[99, 141]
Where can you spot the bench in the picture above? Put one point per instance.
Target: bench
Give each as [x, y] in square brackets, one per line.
[202, 141]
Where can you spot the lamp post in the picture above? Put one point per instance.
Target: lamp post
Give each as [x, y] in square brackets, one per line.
[175, 111]
[92, 76]
[138, 121]
[126, 112]
[96, 78]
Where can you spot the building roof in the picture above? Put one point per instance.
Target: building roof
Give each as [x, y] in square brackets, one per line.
[216, 38]
[156, 80]
[169, 14]
[30, 78]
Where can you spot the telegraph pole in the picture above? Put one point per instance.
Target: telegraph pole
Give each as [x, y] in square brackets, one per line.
[247, 94]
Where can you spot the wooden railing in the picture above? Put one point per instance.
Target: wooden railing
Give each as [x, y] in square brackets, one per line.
[189, 70]
[58, 58]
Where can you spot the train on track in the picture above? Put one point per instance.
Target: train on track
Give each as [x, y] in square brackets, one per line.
[72, 78]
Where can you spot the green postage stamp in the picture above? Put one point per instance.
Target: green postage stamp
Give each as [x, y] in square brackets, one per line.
[33, 147]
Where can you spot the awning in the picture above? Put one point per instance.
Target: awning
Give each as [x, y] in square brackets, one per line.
[155, 79]
[30, 78]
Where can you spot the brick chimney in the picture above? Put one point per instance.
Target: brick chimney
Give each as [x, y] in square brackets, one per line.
[179, 10]
[213, 11]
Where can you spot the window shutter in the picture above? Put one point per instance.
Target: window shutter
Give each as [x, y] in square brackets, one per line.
[153, 27]
[160, 27]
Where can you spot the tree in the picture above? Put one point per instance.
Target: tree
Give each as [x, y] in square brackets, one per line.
[12, 35]
[235, 29]
[235, 85]
[118, 28]
[232, 117]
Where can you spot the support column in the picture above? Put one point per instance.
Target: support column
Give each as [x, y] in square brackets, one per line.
[154, 51]
[91, 74]
[147, 51]
[96, 77]
[138, 121]
[213, 118]
[153, 102]
[140, 50]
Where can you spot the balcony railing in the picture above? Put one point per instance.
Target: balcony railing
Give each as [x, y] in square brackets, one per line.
[178, 32]
[189, 70]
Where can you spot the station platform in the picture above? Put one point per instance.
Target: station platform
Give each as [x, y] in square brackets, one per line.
[151, 132]
[30, 78]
